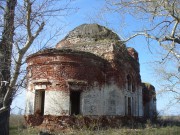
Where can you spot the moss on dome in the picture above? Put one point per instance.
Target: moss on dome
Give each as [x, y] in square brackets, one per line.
[92, 31]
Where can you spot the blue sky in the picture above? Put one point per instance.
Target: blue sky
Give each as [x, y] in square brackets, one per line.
[89, 12]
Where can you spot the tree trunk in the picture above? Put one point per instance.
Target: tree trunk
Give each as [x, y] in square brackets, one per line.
[6, 45]
[4, 123]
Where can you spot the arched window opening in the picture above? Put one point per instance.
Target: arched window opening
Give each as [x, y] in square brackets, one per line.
[133, 87]
[129, 81]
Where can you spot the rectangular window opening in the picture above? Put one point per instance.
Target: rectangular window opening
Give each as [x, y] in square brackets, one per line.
[75, 102]
[129, 106]
[39, 102]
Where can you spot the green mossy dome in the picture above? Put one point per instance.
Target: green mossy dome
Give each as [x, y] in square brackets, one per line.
[93, 31]
[86, 33]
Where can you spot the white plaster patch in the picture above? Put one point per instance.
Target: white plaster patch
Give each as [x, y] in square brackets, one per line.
[56, 103]
[40, 87]
[30, 102]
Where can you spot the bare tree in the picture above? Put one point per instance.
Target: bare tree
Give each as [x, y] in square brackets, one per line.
[163, 17]
[5, 63]
[22, 23]
[162, 24]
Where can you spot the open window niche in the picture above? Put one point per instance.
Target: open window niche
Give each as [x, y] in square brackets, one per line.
[128, 106]
[131, 85]
[76, 87]
[39, 102]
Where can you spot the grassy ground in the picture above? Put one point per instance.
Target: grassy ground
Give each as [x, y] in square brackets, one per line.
[169, 126]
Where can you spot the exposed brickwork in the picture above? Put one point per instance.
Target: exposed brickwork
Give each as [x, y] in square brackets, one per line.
[60, 65]
[92, 62]
[58, 68]
[34, 120]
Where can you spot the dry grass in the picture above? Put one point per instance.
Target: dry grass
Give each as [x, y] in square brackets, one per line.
[165, 126]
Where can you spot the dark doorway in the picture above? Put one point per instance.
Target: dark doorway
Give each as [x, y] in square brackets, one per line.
[129, 106]
[75, 102]
[42, 102]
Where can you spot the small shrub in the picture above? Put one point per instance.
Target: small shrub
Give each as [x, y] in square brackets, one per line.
[148, 124]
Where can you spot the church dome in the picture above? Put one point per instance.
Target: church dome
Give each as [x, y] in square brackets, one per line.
[87, 33]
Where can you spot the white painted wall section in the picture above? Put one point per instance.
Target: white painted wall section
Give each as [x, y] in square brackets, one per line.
[30, 98]
[56, 103]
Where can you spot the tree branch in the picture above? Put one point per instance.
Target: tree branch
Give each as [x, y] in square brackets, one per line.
[2, 7]
[3, 109]
[141, 34]
[28, 25]
[18, 65]
[174, 29]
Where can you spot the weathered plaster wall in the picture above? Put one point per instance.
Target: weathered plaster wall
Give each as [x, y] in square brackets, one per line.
[140, 111]
[107, 100]
[103, 84]
[56, 103]
[30, 98]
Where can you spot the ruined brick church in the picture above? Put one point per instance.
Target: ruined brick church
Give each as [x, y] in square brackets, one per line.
[91, 72]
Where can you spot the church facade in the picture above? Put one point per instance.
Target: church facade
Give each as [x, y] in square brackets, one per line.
[89, 73]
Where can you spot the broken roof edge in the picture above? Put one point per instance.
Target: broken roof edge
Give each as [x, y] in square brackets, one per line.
[148, 86]
[55, 51]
